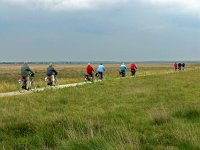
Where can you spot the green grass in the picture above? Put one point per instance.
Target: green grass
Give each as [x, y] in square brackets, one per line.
[151, 112]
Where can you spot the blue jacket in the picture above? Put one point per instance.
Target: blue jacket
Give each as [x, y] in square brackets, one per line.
[101, 68]
[123, 68]
[51, 71]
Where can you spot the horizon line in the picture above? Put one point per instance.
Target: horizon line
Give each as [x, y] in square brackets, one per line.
[103, 61]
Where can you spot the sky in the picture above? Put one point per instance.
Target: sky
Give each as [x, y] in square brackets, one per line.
[101, 30]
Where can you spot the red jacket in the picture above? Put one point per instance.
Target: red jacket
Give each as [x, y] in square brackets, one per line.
[89, 69]
[175, 65]
[133, 66]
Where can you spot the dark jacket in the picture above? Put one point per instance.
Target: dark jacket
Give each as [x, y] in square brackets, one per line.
[179, 65]
[26, 71]
[51, 71]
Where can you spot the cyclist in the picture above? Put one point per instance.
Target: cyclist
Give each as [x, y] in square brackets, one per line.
[123, 70]
[100, 70]
[51, 74]
[25, 72]
[90, 71]
[133, 69]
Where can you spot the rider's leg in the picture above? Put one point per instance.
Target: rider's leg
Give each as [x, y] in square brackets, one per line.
[123, 73]
[100, 75]
[48, 80]
[91, 77]
[24, 83]
[133, 72]
[53, 80]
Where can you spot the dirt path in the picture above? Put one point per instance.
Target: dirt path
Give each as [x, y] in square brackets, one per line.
[8, 94]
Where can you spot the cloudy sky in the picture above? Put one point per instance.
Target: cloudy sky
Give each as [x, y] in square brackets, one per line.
[87, 30]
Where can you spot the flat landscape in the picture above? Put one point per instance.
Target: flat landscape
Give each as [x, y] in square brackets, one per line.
[158, 109]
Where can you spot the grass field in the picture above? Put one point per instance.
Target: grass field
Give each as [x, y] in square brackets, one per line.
[160, 111]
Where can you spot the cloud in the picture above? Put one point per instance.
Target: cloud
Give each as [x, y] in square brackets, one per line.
[188, 6]
[64, 4]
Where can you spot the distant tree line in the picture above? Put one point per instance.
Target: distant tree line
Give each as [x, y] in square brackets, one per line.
[93, 62]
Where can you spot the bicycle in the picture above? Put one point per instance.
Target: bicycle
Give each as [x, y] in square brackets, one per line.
[27, 84]
[122, 73]
[88, 77]
[133, 72]
[51, 80]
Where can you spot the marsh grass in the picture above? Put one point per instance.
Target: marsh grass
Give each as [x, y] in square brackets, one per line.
[188, 113]
[149, 112]
[160, 116]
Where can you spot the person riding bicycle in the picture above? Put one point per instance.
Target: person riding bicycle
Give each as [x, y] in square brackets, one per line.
[133, 69]
[51, 73]
[25, 72]
[123, 70]
[90, 70]
[100, 70]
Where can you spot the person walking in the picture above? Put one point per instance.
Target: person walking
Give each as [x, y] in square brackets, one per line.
[183, 66]
[179, 66]
[175, 66]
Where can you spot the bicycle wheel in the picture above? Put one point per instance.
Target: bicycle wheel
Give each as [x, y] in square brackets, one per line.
[55, 82]
[20, 84]
[32, 86]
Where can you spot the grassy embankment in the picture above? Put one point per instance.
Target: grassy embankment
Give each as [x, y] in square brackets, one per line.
[152, 112]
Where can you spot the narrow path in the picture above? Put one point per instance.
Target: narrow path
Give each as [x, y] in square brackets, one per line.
[9, 94]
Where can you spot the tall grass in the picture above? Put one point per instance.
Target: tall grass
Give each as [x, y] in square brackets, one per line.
[150, 112]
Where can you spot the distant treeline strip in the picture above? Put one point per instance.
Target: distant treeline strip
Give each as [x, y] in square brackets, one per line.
[96, 62]
[65, 62]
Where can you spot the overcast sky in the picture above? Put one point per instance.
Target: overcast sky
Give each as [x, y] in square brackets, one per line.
[87, 30]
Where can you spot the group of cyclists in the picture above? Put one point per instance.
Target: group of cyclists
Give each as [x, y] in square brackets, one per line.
[123, 69]
[101, 69]
[51, 73]
[28, 74]
[90, 72]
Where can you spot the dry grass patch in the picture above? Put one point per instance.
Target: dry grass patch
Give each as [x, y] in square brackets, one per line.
[160, 116]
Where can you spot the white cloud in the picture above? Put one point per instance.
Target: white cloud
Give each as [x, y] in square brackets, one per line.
[189, 6]
[64, 4]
